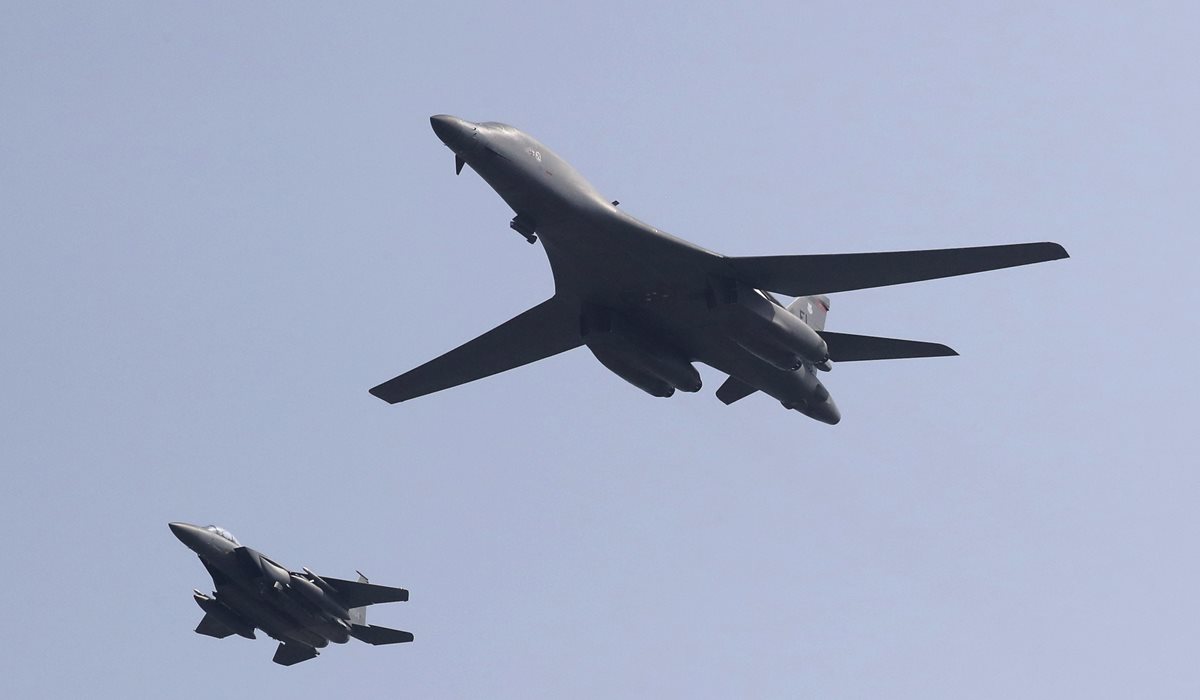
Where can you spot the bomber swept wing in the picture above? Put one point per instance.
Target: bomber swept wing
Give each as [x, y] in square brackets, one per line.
[547, 329]
[805, 275]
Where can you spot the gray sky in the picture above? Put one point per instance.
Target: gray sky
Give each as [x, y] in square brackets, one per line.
[222, 224]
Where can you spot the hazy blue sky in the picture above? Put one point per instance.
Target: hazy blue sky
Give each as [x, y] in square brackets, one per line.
[223, 223]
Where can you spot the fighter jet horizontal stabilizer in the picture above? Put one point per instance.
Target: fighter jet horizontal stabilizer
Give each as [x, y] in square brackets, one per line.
[289, 654]
[373, 634]
[844, 347]
[355, 594]
[805, 275]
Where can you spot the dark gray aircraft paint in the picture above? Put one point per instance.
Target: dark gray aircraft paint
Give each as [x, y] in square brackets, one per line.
[648, 304]
[302, 610]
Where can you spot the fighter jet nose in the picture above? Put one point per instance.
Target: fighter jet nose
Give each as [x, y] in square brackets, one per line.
[454, 132]
[186, 533]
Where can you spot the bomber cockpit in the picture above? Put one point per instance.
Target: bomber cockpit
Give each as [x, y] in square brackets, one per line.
[222, 532]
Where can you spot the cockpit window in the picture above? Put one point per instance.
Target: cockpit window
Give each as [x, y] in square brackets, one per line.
[223, 533]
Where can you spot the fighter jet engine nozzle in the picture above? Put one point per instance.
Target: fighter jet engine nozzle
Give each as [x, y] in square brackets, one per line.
[335, 631]
[315, 595]
[637, 357]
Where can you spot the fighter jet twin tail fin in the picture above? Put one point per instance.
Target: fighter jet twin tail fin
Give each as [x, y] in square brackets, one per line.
[358, 595]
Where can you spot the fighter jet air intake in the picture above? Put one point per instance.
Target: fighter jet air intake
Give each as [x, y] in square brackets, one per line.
[302, 610]
[648, 305]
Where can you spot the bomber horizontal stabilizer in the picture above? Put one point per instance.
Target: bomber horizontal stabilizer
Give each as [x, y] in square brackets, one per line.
[372, 634]
[804, 275]
[288, 654]
[545, 330]
[844, 347]
[734, 389]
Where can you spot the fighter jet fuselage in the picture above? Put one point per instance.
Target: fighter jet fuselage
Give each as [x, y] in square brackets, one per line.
[301, 610]
[648, 304]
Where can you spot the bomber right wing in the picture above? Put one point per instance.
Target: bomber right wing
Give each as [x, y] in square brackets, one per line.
[545, 330]
[805, 275]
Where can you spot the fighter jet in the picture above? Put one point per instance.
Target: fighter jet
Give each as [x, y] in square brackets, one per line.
[648, 305]
[302, 610]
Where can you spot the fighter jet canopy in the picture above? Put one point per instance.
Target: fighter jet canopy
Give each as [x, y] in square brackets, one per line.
[222, 532]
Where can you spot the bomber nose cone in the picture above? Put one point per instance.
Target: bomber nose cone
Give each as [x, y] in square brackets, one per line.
[454, 132]
[828, 413]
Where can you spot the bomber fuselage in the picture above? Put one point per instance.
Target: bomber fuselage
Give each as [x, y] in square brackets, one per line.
[658, 290]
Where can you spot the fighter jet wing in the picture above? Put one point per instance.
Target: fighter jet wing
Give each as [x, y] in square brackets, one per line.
[212, 627]
[545, 330]
[804, 275]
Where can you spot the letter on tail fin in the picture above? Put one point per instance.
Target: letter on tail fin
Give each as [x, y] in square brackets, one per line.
[811, 310]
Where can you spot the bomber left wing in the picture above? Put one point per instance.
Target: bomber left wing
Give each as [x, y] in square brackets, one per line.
[804, 275]
[547, 329]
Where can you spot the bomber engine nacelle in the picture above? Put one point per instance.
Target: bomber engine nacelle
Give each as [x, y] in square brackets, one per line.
[635, 356]
[765, 329]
